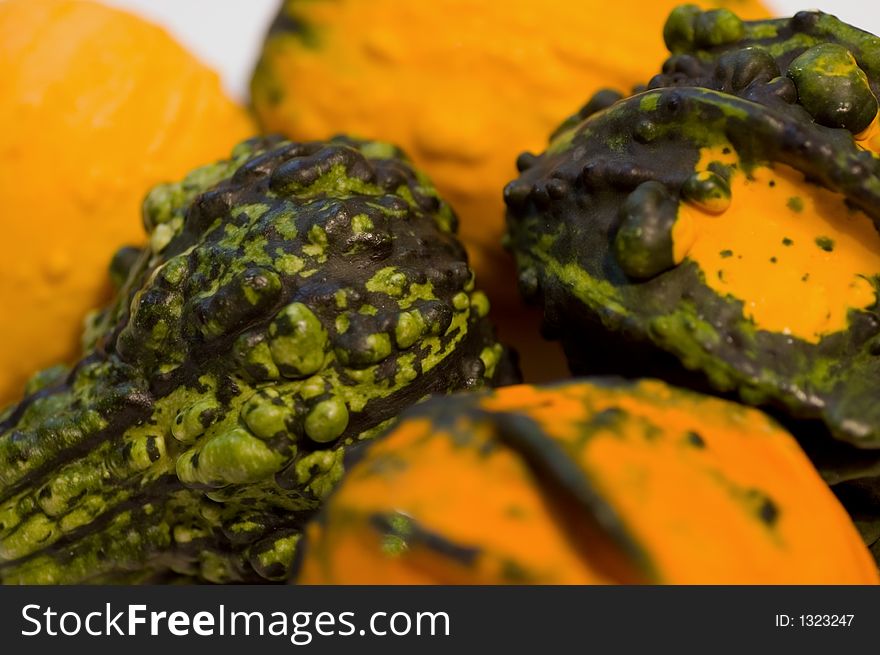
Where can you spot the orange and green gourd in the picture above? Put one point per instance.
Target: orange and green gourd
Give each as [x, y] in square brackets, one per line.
[97, 106]
[720, 230]
[588, 482]
[461, 85]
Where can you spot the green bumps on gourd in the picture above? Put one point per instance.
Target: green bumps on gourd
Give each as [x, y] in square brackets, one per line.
[298, 341]
[291, 302]
[643, 243]
[689, 26]
[833, 88]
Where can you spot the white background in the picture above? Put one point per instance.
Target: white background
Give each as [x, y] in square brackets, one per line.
[227, 34]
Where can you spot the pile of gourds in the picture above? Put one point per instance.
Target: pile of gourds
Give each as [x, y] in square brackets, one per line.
[263, 395]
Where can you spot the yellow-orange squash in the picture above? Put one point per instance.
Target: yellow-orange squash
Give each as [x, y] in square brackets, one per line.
[96, 106]
[463, 86]
[588, 482]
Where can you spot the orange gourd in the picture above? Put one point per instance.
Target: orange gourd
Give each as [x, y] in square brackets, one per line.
[588, 482]
[97, 106]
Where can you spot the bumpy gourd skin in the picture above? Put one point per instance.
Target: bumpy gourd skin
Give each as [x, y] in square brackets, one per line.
[291, 302]
[591, 481]
[593, 220]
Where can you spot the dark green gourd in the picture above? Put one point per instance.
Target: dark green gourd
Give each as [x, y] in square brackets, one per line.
[291, 302]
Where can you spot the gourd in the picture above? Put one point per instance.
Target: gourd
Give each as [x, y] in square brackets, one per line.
[97, 106]
[292, 300]
[719, 230]
[589, 482]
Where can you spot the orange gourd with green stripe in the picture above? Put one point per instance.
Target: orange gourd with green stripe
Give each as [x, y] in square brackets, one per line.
[588, 482]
